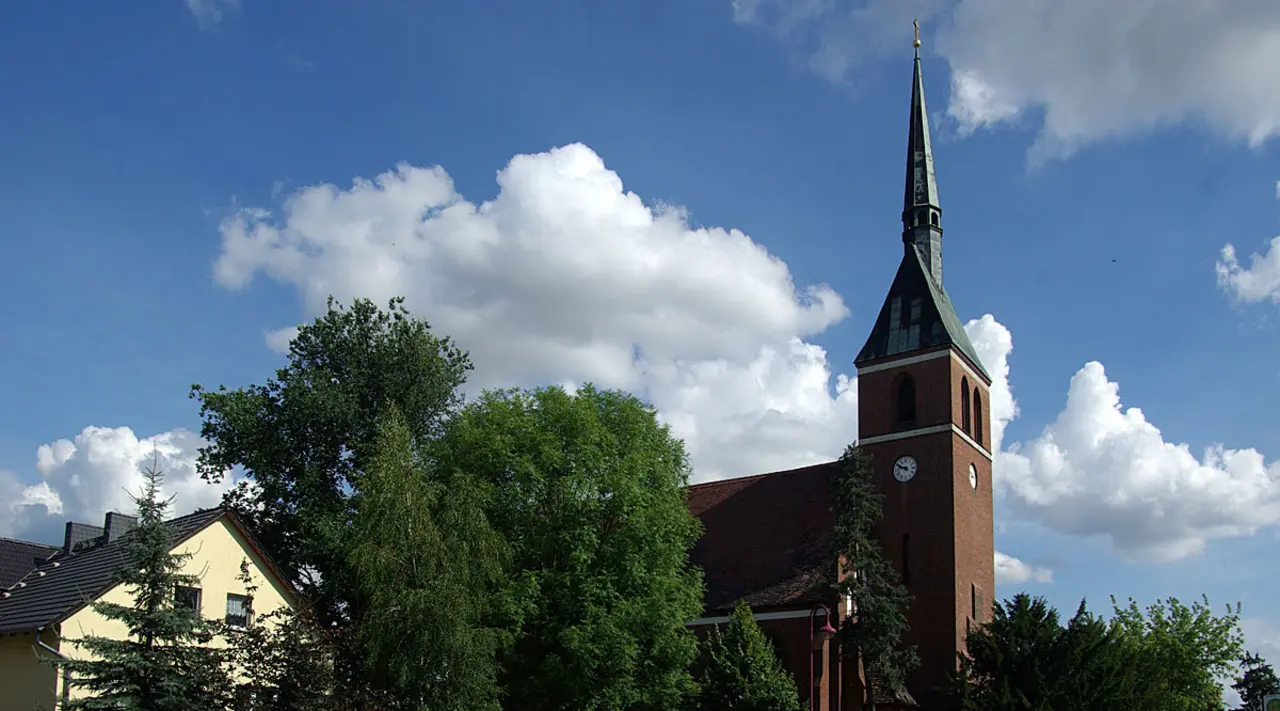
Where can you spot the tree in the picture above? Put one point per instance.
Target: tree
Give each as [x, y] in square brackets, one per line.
[589, 492]
[739, 670]
[1168, 657]
[427, 567]
[1184, 649]
[1024, 659]
[880, 601]
[1256, 681]
[165, 662]
[305, 438]
[281, 662]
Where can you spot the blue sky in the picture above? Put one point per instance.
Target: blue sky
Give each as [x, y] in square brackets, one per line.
[1090, 182]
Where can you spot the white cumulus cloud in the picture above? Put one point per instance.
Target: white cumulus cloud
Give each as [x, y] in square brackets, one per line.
[1257, 282]
[1103, 469]
[101, 466]
[567, 277]
[1011, 571]
[1085, 71]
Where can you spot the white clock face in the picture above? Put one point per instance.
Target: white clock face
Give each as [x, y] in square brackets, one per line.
[973, 477]
[904, 469]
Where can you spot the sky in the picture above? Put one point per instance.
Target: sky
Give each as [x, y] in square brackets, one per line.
[694, 201]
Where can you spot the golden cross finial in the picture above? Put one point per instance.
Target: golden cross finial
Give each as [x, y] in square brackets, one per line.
[916, 24]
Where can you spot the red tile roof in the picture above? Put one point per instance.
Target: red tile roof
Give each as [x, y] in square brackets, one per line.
[767, 538]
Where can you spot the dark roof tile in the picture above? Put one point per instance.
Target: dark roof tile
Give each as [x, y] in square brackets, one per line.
[766, 539]
[17, 558]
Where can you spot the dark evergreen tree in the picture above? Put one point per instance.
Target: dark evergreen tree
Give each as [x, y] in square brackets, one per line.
[1257, 680]
[165, 662]
[281, 662]
[876, 630]
[739, 670]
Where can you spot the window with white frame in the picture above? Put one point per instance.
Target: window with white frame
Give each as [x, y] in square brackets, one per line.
[238, 611]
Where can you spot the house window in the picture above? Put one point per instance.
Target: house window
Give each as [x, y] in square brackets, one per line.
[964, 406]
[185, 597]
[906, 400]
[238, 611]
[977, 415]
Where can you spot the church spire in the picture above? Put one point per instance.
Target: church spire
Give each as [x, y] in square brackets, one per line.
[921, 212]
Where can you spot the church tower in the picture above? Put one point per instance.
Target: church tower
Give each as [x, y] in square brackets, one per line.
[923, 415]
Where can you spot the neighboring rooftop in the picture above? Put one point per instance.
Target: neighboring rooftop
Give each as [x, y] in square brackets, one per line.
[66, 582]
[17, 558]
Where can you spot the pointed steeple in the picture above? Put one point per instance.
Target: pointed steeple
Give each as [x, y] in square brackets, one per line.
[917, 314]
[921, 211]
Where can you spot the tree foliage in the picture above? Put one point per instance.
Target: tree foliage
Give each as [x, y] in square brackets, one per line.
[1184, 650]
[1257, 680]
[1168, 656]
[588, 489]
[427, 567]
[280, 662]
[739, 670]
[877, 629]
[1024, 658]
[305, 437]
[165, 661]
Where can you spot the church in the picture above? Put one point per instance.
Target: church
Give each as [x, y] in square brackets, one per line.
[923, 417]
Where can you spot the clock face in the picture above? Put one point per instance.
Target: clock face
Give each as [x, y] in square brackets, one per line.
[904, 469]
[973, 477]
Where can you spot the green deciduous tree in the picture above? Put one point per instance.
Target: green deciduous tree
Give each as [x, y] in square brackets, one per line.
[1184, 649]
[1256, 681]
[427, 567]
[739, 670]
[589, 492]
[165, 662]
[877, 629]
[305, 437]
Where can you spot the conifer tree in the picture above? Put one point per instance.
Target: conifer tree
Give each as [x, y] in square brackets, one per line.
[875, 631]
[739, 670]
[1257, 681]
[165, 662]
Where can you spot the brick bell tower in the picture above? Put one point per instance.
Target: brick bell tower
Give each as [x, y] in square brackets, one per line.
[923, 416]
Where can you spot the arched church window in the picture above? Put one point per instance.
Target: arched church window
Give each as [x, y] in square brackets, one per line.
[933, 218]
[906, 399]
[964, 405]
[977, 415]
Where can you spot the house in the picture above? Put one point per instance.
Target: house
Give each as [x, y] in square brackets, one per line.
[922, 418]
[48, 607]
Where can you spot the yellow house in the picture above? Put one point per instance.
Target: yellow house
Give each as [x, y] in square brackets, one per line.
[48, 609]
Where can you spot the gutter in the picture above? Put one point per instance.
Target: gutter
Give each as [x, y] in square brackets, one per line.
[40, 643]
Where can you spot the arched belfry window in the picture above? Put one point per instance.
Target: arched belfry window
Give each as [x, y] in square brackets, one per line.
[964, 405]
[977, 415]
[906, 399]
[933, 218]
